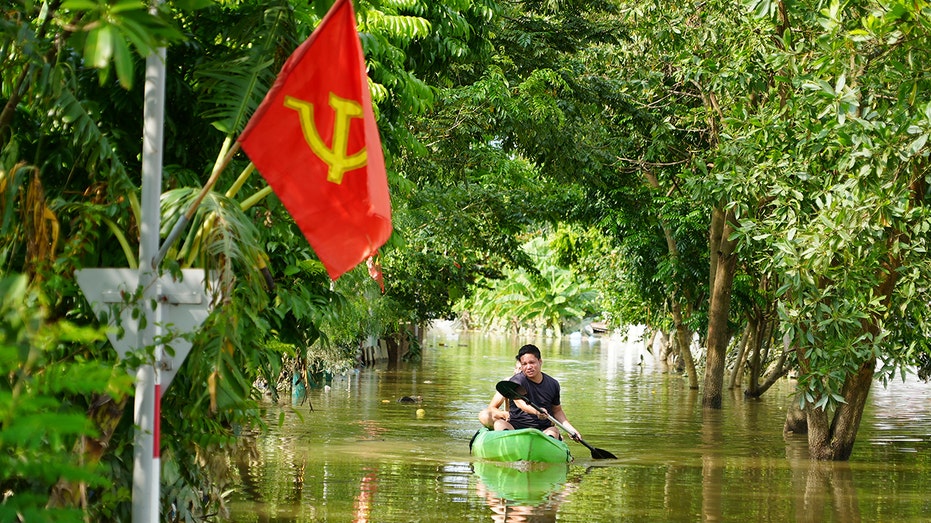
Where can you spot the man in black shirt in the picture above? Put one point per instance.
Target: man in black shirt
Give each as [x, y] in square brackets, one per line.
[542, 390]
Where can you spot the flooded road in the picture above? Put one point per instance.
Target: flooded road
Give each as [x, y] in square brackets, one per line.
[360, 455]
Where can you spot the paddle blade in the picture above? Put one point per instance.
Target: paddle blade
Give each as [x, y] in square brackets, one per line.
[601, 454]
[510, 390]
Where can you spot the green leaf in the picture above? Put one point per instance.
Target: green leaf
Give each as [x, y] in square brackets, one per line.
[99, 46]
[761, 8]
[123, 60]
[79, 5]
[917, 144]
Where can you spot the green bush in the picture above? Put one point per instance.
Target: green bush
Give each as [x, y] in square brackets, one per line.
[40, 415]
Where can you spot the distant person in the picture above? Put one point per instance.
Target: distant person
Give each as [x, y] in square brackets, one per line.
[542, 390]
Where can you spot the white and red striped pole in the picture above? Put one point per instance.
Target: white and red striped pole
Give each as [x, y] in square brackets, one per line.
[146, 455]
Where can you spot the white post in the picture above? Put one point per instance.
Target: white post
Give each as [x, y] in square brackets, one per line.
[146, 472]
[145, 467]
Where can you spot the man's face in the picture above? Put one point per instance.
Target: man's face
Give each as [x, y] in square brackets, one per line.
[530, 366]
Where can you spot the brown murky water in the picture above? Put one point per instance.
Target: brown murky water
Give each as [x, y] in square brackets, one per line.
[359, 455]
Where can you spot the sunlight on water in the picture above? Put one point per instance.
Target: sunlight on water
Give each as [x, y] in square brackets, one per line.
[360, 455]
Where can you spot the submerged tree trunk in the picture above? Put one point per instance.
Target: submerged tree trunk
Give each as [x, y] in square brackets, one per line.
[756, 353]
[796, 421]
[722, 281]
[685, 351]
[759, 383]
[833, 439]
[779, 371]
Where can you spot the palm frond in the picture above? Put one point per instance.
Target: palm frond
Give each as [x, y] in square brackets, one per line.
[220, 238]
[76, 119]
[235, 89]
[233, 86]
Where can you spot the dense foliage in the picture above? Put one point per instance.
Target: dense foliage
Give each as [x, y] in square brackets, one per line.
[545, 298]
[45, 380]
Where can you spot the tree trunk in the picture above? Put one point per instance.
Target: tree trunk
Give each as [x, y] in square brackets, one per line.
[756, 356]
[779, 370]
[796, 421]
[719, 310]
[395, 348]
[682, 333]
[738, 372]
[677, 350]
[685, 350]
[661, 348]
[714, 238]
[835, 442]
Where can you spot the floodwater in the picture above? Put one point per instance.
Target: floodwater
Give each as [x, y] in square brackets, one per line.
[353, 453]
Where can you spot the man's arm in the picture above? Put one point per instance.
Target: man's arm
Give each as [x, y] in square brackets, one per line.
[560, 416]
[492, 412]
[496, 401]
[524, 406]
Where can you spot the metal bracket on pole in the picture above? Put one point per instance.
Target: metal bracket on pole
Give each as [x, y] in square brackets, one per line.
[184, 306]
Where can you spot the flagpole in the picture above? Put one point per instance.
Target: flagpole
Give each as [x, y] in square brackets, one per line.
[185, 219]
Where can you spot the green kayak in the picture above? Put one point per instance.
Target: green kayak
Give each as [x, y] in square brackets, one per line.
[519, 445]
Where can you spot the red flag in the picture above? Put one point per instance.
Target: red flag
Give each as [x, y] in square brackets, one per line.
[315, 141]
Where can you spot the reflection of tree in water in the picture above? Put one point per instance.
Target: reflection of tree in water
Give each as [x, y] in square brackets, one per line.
[818, 483]
[299, 465]
[248, 458]
[712, 464]
[251, 462]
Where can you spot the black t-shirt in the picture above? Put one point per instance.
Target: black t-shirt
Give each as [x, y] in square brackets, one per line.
[545, 394]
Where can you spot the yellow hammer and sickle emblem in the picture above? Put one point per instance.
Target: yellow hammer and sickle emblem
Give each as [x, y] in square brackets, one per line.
[335, 157]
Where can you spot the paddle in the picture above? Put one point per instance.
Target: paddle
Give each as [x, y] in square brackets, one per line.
[513, 391]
